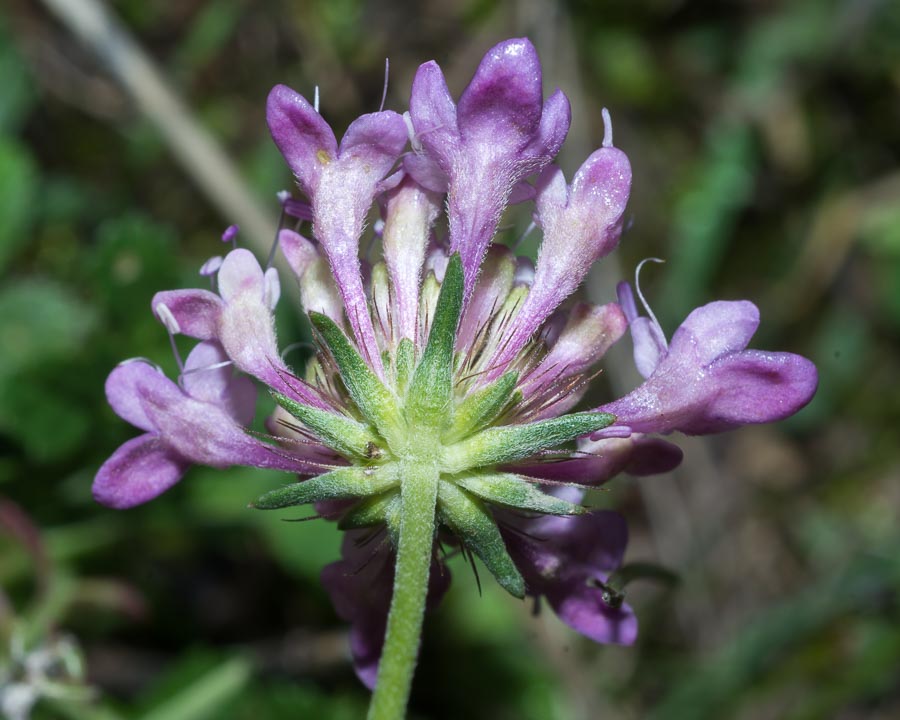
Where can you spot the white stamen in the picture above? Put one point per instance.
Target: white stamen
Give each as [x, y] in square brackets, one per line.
[411, 131]
[637, 289]
[378, 227]
[165, 316]
[271, 288]
[387, 68]
[531, 226]
[283, 196]
[316, 99]
[144, 360]
[206, 368]
[296, 346]
[607, 128]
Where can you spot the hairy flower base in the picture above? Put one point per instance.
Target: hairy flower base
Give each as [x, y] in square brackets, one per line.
[415, 425]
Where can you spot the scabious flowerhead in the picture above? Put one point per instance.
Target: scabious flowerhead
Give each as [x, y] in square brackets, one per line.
[438, 402]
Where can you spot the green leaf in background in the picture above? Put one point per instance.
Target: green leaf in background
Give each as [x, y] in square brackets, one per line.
[199, 688]
[40, 321]
[18, 197]
[18, 88]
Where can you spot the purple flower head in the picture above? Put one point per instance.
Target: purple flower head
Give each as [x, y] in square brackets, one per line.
[438, 401]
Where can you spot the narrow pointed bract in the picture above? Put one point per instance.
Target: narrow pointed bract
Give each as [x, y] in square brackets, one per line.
[435, 405]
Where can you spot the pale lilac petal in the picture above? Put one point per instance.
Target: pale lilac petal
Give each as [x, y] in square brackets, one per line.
[240, 275]
[196, 311]
[205, 378]
[318, 292]
[503, 101]
[302, 136]
[494, 284]
[239, 400]
[433, 114]
[411, 211]
[138, 471]
[522, 191]
[122, 390]
[589, 332]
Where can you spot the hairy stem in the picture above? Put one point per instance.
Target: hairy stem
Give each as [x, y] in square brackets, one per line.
[418, 496]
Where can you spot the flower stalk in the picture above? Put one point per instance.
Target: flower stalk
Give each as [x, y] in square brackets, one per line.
[418, 497]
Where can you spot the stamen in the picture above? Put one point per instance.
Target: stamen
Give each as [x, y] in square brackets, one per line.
[316, 99]
[274, 249]
[531, 226]
[296, 346]
[230, 235]
[211, 266]
[387, 68]
[637, 288]
[144, 360]
[271, 288]
[165, 316]
[607, 128]
[414, 141]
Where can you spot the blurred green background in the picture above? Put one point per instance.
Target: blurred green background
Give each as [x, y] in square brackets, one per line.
[765, 140]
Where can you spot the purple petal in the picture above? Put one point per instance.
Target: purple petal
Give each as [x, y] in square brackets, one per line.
[425, 171]
[196, 311]
[433, 114]
[653, 456]
[582, 608]
[716, 329]
[138, 471]
[206, 379]
[697, 389]
[605, 460]
[123, 390]
[374, 141]
[503, 101]
[575, 236]
[302, 136]
[555, 120]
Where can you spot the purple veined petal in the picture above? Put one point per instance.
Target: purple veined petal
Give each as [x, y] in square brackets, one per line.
[756, 387]
[240, 275]
[716, 329]
[411, 211]
[503, 101]
[196, 311]
[433, 114]
[301, 134]
[589, 332]
[140, 470]
[123, 390]
[583, 609]
[374, 141]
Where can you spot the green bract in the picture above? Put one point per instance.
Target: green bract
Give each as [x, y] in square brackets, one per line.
[422, 432]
